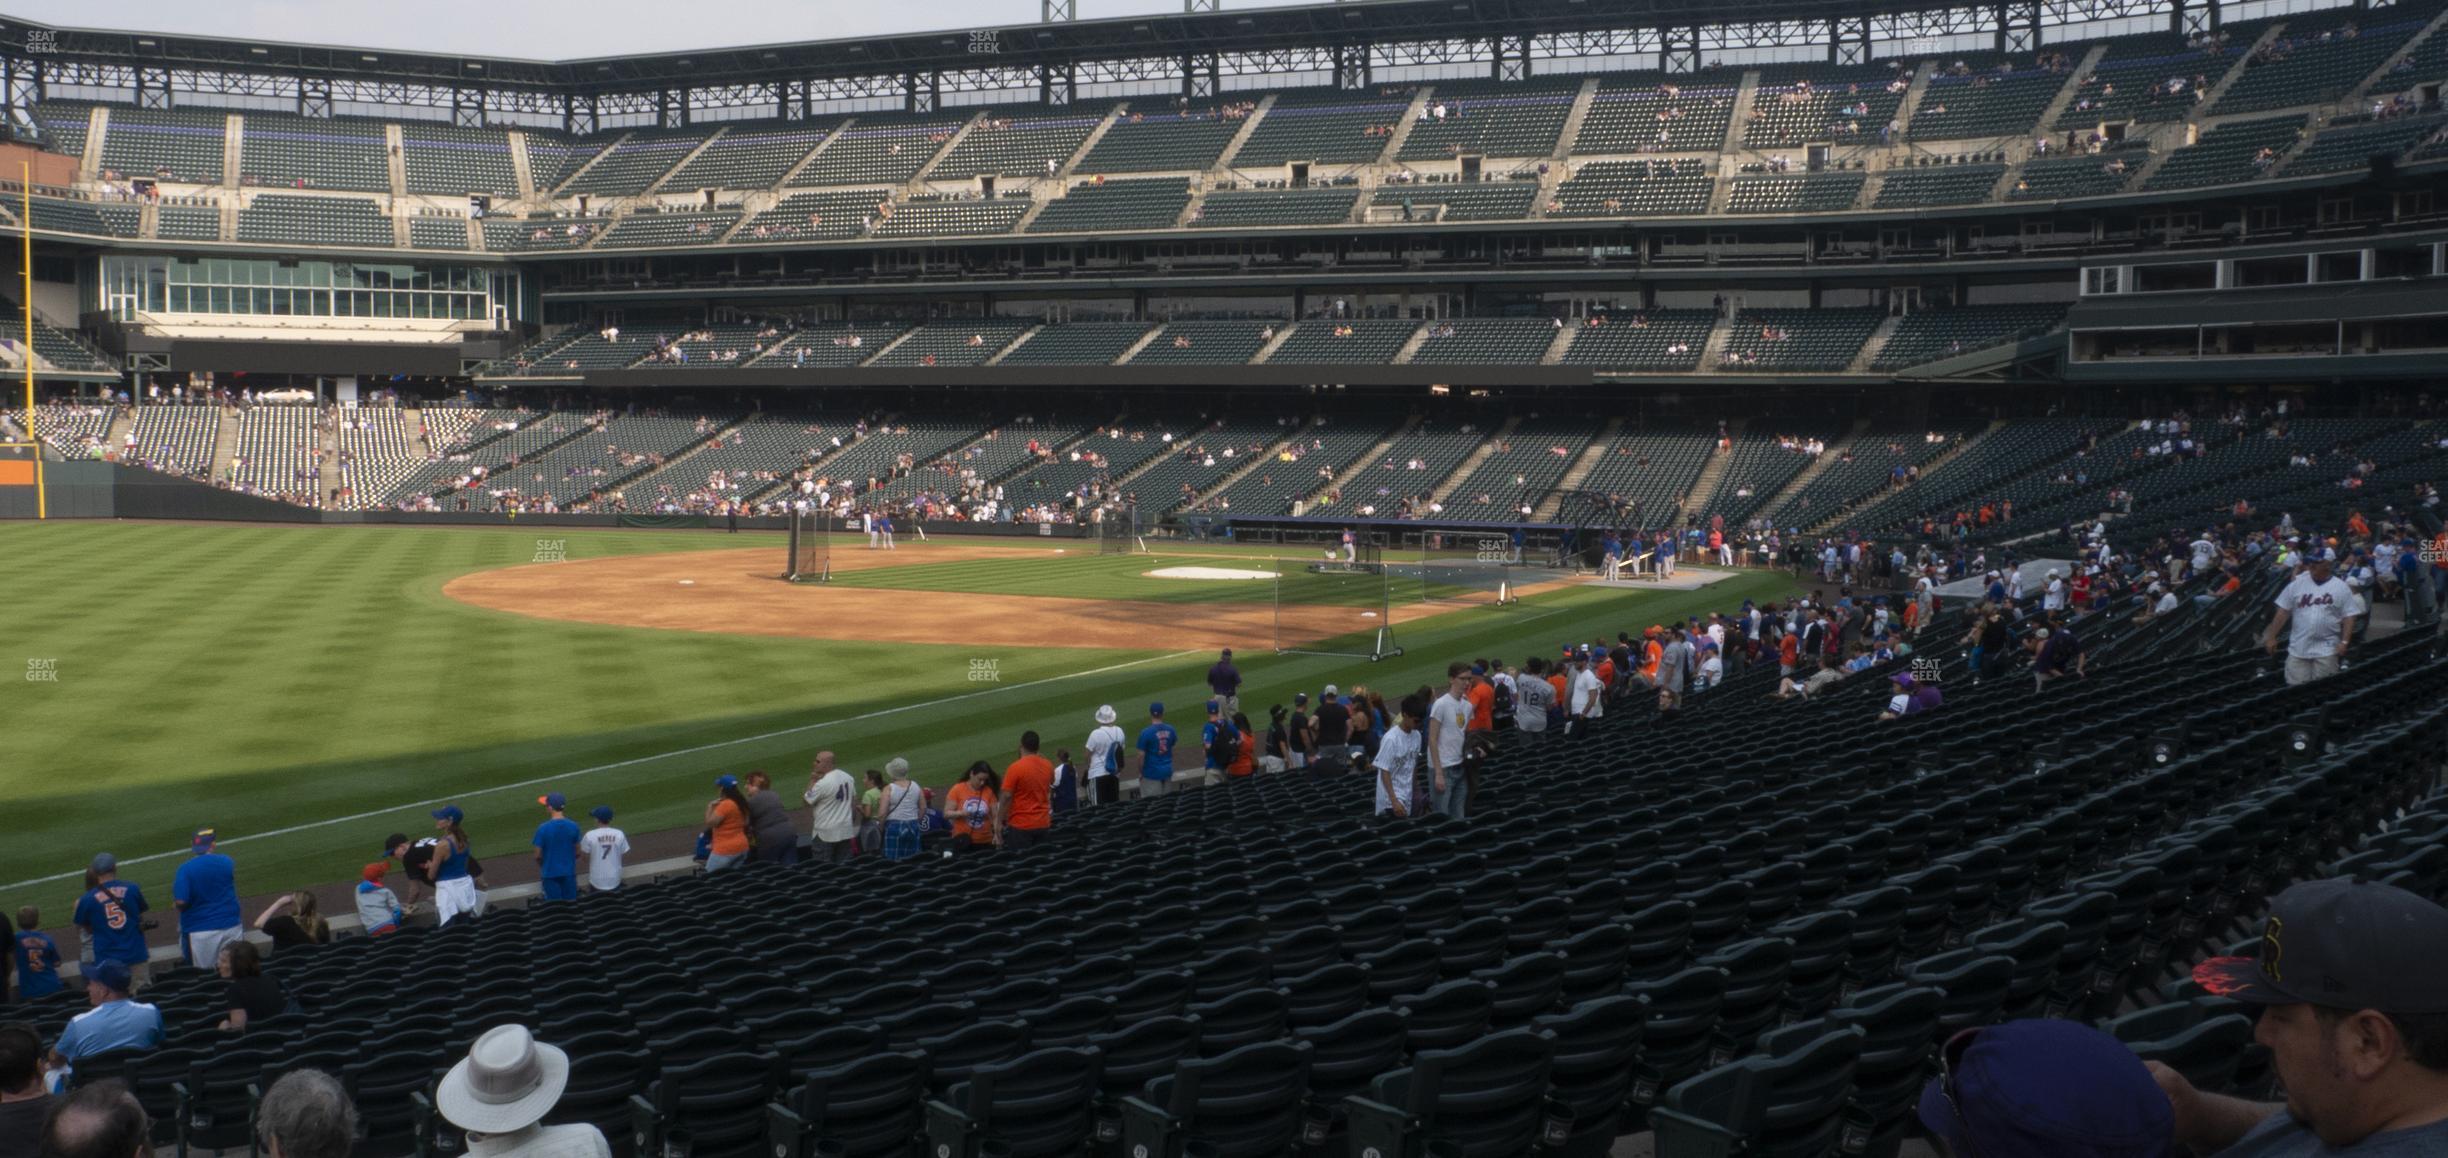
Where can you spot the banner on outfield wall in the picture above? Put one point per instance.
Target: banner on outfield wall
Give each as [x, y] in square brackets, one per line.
[71, 490]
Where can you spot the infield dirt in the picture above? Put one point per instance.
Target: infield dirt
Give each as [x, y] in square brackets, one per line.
[736, 592]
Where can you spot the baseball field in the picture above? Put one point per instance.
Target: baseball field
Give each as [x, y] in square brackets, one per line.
[307, 690]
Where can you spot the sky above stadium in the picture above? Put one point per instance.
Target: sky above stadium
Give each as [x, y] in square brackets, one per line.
[561, 29]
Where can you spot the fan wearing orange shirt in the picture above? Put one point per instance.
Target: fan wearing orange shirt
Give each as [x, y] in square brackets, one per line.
[1028, 796]
[1789, 651]
[971, 807]
[1651, 653]
[1245, 753]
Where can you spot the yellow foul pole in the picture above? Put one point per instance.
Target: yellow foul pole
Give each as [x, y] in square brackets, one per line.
[25, 218]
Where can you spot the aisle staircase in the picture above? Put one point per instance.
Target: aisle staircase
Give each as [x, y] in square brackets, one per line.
[1583, 464]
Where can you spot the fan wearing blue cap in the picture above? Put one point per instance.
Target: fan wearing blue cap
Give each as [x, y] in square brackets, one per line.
[2045, 1089]
[2353, 1003]
[205, 892]
[454, 872]
[115, 1022]
[111, 912]
[556, 850]
[1156, 742]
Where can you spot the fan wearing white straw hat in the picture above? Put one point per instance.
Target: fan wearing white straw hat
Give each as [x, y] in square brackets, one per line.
[500, 1093]
[1105, 747]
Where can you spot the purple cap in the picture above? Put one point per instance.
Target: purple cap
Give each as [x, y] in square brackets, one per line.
[2046, 1089]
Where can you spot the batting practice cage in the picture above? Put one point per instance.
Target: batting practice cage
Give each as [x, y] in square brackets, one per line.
[1480, 569]
[1588, 517]
[1118, 531]
[811, 548]
[1336, 605]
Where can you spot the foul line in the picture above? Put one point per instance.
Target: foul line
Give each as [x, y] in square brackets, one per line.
[355, 817]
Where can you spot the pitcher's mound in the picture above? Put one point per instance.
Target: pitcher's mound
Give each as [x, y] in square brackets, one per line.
[1208, 573]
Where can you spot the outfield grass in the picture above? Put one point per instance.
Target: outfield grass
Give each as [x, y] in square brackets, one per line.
[261, 679]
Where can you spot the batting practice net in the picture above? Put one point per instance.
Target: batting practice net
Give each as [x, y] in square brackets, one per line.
[1334, 606]
[1476, 570]
[811, 548]
[1118, 531]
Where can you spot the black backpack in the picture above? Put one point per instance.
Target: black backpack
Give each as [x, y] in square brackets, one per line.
[1227, 746]
[1504, 699]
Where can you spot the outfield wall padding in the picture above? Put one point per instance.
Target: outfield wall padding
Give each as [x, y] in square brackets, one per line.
[73, 490]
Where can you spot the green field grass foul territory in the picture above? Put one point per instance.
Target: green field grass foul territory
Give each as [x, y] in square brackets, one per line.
[307, 690]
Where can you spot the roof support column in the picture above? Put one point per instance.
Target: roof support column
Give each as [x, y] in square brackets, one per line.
[1849, 40]
[1351, 66]
[152, 87]
[2018, 26]
[1201, 76]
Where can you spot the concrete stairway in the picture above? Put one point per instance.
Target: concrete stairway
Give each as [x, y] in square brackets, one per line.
[1712, 476]
[1139, 345]
[225, 447]
[1412, 344]
[814, 153]
[1730, 150]
[1579, 473]
[656, 186]
[2067, 91]
[1563, 342]
[414, 422]
[1374, 453]
[2413, 44]
[950, 143]
[1273, 344]
[1402, 131]
[1487, 448]
[1874, 347]
[1910, 106]
[1582, 100]
[396, 152]
[1249, 465]
[600, 154]
[1249, 124]
[1819, 465]
[1713, 351]
[2235, 70]
[522, 168]
[899, 338]
[1014, 344]
[1095, 135]
[1927, 469]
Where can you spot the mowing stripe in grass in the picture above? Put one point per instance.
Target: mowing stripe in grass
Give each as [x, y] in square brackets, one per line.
[563, 777]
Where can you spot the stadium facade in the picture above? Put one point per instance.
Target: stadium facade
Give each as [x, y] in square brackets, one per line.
[1898, 211]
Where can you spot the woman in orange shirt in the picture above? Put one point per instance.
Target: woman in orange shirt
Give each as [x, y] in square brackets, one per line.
[971, 807]
[1245, 758]
[727, 816]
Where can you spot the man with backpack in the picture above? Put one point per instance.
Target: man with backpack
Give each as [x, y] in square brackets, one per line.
[1221, 740]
